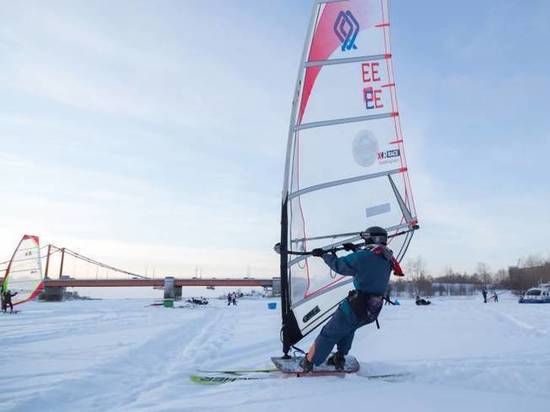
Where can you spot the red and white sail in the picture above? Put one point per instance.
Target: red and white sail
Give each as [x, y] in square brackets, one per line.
[345, 166]
[24, 272]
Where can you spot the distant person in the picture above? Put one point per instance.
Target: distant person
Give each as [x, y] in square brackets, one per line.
[234, 299]
[495, 296]
[484, 293]
[6, 300]
[421, 301]
[229, 299]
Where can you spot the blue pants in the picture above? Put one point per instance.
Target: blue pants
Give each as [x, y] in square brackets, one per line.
[339, 331]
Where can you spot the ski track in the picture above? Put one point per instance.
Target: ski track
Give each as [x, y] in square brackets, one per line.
[517, 369]
[122, 356]
[522, 325]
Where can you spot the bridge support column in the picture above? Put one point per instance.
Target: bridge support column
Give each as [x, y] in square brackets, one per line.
[276, 286]
[52, 294]
[177, 292]
[169, 287]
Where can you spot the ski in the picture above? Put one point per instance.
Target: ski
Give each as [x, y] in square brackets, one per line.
[388, 377]
[220, 379]
[239, 371]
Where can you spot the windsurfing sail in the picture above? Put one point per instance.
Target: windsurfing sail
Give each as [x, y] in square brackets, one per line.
[24, 272]
[345, 161]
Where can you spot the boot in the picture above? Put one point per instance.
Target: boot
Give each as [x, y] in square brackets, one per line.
[337, 360]
[306, 365]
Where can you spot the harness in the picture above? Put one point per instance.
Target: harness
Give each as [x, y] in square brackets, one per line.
[367, 306]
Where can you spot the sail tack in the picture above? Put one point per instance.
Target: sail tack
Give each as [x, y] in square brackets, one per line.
[24, 272]
[345, 167]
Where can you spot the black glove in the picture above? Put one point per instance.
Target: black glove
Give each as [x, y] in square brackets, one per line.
[318, 252]
[349, 247]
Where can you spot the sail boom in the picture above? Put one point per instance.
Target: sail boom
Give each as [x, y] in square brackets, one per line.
[374, 57]
[340, 182]
[352, 239]
[334, 236]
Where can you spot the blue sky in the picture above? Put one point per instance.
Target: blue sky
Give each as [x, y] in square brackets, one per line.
[152, 135]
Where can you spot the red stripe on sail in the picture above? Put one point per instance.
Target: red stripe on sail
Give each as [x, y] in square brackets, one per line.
[325, 42]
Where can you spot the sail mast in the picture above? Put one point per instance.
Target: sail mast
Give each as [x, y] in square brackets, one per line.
[285, 284]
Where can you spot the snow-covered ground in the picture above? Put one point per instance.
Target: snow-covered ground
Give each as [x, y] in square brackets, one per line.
[122, 355]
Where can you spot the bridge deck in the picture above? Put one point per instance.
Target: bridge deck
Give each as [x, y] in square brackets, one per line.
[74, 283]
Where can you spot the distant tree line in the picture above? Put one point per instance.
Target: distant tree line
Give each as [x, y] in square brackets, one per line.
[528, 273]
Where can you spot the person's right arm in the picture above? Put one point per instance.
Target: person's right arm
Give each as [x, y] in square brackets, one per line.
[346, 265]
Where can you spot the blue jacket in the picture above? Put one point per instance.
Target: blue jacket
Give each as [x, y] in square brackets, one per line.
[371, 272]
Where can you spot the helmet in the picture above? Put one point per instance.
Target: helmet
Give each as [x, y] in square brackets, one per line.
[375, 235]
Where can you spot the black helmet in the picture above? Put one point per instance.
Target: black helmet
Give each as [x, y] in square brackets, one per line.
[375, 235]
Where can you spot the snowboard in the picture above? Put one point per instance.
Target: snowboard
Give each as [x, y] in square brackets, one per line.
[292, 366]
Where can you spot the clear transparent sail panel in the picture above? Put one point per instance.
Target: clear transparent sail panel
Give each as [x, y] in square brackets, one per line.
[344, 151]
[335, 215]
[314, 310]
[350, 90]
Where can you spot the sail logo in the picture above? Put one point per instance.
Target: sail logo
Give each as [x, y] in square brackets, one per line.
[388, 156]
[346, 28]
[372, 93]
[365, 148]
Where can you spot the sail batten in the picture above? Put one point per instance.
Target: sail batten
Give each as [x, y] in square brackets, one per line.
[343, 182]
[335, 122]
[350, 235]
[352, 238]
[314, 63]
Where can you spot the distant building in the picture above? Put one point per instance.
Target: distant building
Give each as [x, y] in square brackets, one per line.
[455, 289]
[522, 279]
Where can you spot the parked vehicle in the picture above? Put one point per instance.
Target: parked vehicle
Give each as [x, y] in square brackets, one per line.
[540, 294]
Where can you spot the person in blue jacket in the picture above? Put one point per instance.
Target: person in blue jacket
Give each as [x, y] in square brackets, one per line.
[370, 267]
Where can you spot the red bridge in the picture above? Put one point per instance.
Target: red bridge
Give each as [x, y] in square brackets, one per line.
[76, 283]
[88, 272]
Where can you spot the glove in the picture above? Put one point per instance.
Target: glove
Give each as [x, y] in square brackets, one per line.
[349, 247]
[318, 252]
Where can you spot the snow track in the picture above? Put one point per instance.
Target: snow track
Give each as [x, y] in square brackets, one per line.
[126, 356]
